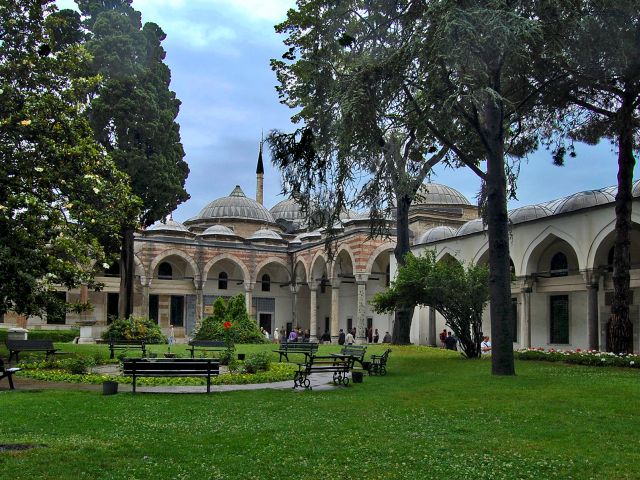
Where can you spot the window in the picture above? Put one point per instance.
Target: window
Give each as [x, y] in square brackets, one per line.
[387, 279]
[177, 311]
[349, 323]
[165, 271]
[559, 265]
[266, 283]
[154, 308]
[112, 306]
[56, 314]
[223, 280]
[559, 319]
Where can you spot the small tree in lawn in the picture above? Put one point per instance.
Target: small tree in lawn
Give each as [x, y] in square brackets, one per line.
[460, 294]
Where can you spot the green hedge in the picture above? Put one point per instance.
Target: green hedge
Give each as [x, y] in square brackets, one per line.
[66, 335]
[578, 357]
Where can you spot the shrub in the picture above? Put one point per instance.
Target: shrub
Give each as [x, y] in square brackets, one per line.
[79, 365]
[134, 328]
[242, 330]
[256, 362]
[67, 335]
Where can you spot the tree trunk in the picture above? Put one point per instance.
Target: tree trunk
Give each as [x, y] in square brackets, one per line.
[125, 305]
[502, 362]
[620, 328]
[402, 326]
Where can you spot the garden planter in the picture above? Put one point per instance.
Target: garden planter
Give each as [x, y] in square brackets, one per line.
[356, 377]
[241, 356]
[109, 388]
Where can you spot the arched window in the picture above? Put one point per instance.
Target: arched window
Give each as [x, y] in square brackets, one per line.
[222, 281]
[387, 276]
[266, 283]
[165, 271]
[559, 265]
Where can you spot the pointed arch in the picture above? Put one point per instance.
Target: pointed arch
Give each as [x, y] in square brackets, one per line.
[178, 253]
[335, 264]
[601, 237]
[267, 261]
[446, 250]
[547, 235]
[320, 255]
[385, 247]
[300, 267]
[232, 259]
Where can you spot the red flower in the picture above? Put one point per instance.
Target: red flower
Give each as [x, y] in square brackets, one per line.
[227, 325]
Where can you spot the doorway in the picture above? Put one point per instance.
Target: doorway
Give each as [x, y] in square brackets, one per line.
[265, 321]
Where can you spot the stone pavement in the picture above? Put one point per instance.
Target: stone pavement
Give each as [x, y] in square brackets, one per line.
[319, 381]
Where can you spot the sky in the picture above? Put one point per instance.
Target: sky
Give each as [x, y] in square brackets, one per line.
[219, 52]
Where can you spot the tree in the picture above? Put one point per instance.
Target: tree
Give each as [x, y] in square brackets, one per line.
[362, 144]
[459, 294]
[599, 97]
[61, 196]
[133, 116]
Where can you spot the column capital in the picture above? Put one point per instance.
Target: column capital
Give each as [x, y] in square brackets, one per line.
[313, 286]
[295, 288]
[145, 281]
[197, 282]
[248, 286]
[335, 282]
[591, 278]
[361, 278]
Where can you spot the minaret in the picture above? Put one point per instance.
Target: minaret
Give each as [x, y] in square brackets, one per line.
[260, 177]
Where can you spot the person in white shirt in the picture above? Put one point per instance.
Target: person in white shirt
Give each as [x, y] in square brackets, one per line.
[485, 346]
[349, 340]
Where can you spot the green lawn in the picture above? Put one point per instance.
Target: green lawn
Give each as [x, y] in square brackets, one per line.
[435, 415]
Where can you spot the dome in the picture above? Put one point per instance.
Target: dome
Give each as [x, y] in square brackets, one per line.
[529, 212]
[168, 226]
[236, 206]
[218, 231]
[589, 198]
[472, 226]
[288, 210]
[436, 194]
[265, 234]
[436, 233]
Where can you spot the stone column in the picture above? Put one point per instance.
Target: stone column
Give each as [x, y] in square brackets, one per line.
[313, 312]
[361, 321]
[431, 329]
[525, 313]
[294, 305]
[199, 300]
[592, 310]
[248, 296]
[146, 283]
[335, 308]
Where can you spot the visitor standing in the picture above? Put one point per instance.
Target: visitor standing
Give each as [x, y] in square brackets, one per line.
[376, 336]
[370, 335]
[341, 337]
[276, 335]
[293, 336]
[349, 339]
[386, 338]
[443, 337]
[172, 335]
[451, 342]
[485, 346]
[266, 334]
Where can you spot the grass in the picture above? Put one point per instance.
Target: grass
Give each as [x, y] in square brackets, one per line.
[435, 415]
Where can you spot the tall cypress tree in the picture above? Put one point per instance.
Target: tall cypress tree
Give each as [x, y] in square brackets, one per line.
[133, 115]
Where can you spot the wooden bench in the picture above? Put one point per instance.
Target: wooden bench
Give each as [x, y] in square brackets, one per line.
[340, 368]
[171, 367]
[126, 345]
[379, 363]
[206, 346]
[355, 351]
[7, 372]
[306, 348]
[17, 346]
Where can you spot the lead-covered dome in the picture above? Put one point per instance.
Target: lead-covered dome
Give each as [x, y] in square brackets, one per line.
[288, 210]
[586, 199]
[529, 212]
[472, 226]
[236, 206]
[437, 194]
[168, 226]
[436, 233]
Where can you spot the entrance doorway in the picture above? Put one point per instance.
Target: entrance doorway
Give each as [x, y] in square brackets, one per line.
[265, 321]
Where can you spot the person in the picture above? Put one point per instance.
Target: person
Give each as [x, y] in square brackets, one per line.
[386, 338]
[172, 335]
[349, 339]
[451, 342]
[341, 337]
[376, 336]
[276, 335]
[266, 334]
[370, 335]
[293, 336]
[443, 337]
[326, 337]
[485, 346]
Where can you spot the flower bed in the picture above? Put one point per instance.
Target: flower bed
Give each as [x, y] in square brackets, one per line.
[579, 357]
